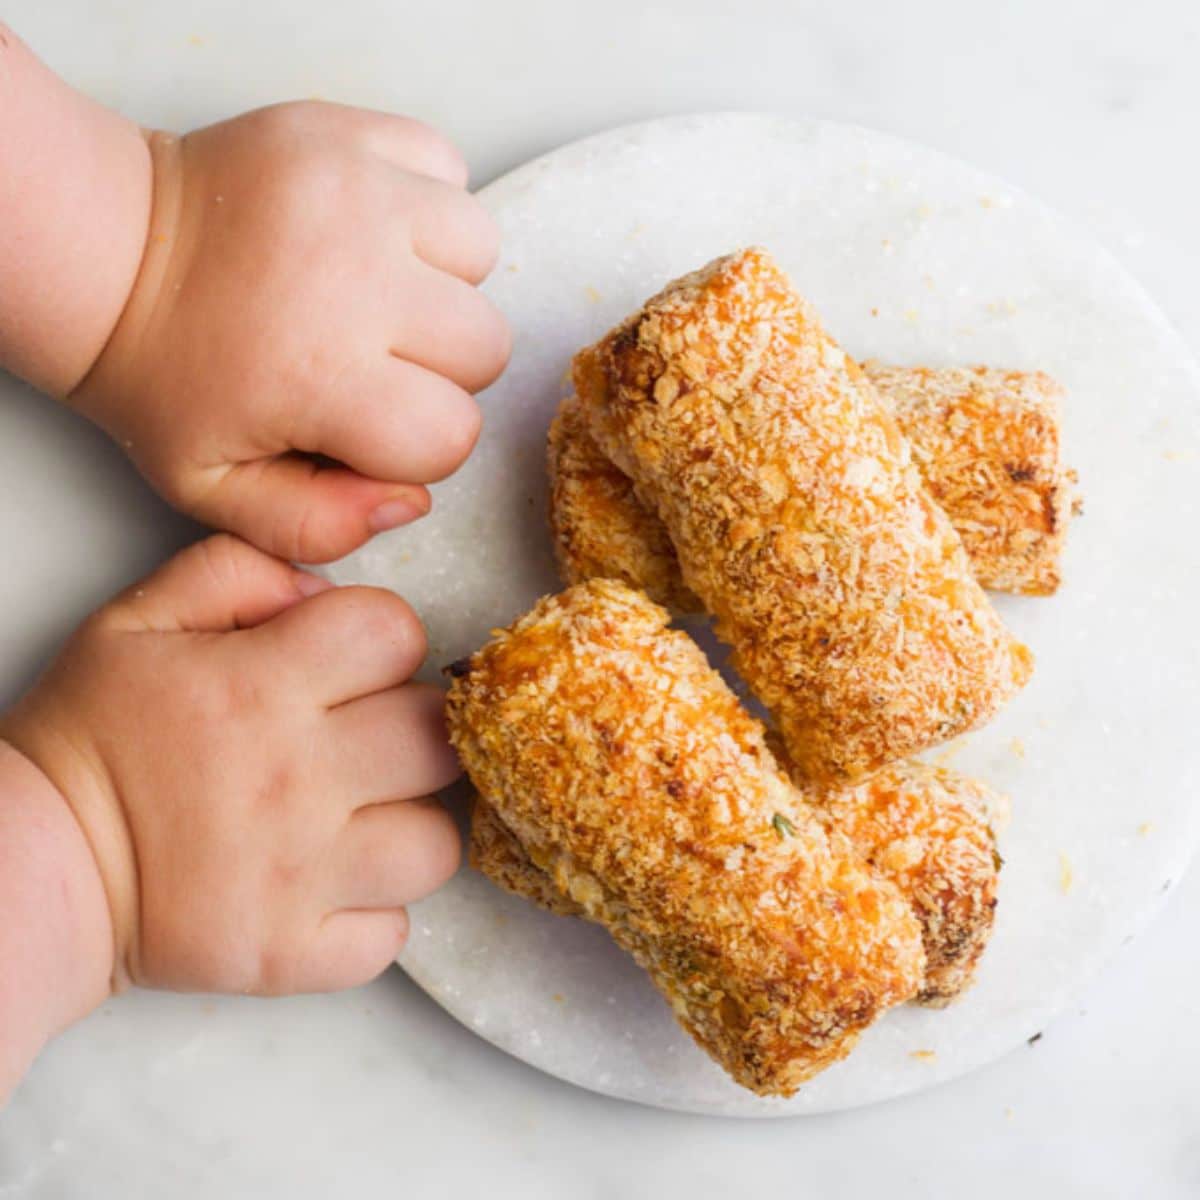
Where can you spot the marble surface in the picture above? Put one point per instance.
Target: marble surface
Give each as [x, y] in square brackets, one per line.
[378, 1091]
[910, 257]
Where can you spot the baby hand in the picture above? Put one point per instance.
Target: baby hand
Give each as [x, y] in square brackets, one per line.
[297, 356]
[241, 750]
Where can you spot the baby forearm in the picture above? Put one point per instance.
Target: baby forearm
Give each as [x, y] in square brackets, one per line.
[75, 186]
[56, 937]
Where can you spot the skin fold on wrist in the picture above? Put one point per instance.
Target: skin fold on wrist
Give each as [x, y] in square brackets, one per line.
[158, 278]
[74, 210]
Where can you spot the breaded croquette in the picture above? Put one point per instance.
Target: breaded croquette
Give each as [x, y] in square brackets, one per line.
[631, 775]
[599, 527]
[986, 442]
[928, 831]
[923, 828]
[799, 519]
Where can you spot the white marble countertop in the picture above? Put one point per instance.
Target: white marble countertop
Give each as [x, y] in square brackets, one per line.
[378, 1092]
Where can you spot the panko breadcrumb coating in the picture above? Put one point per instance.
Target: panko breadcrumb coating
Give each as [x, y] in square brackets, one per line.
[799, 519]
[497, 853]
[631, 775]
[923, 828]
[985, 440]
[599, 527]
[987, 443]
[927, 830]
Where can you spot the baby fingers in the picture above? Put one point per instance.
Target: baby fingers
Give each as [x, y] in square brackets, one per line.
[392, 745]
[393, 854]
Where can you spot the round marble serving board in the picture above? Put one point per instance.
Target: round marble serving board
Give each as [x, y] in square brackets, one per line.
[910, 257]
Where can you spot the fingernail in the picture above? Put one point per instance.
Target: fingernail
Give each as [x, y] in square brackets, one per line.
[311, 585]
[395, 512]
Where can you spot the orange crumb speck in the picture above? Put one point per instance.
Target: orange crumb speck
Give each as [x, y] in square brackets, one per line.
[1066, 874]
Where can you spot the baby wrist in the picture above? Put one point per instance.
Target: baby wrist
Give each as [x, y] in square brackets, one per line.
[56, 938]
[75, 212]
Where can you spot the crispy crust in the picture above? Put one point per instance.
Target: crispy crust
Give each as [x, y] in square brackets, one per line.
[987, 445]
[985, 440]
[631, 775]
[799, 519]
[927, 830]
[922, 828]
[599, 527]
[496, 852]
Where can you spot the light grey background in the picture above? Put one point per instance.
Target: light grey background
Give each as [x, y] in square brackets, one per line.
[1089, 106]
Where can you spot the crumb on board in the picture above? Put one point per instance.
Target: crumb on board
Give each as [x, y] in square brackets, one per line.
[1017, 747]
[593, 295]
[888, 246]
[512, 268]
[1002, 308]
[923, 1055]
[558, 998]
[949, 752]
[874, 312]
[911, 316]
[1066, 874]
[1144, 828]
[1179, 455]
[999, 811]
[194, 39]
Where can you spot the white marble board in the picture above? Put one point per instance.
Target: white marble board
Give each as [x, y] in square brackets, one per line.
[910, 257]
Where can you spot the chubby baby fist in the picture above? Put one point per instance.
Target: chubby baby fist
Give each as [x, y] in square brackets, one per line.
[299, 352]
[250, 767]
